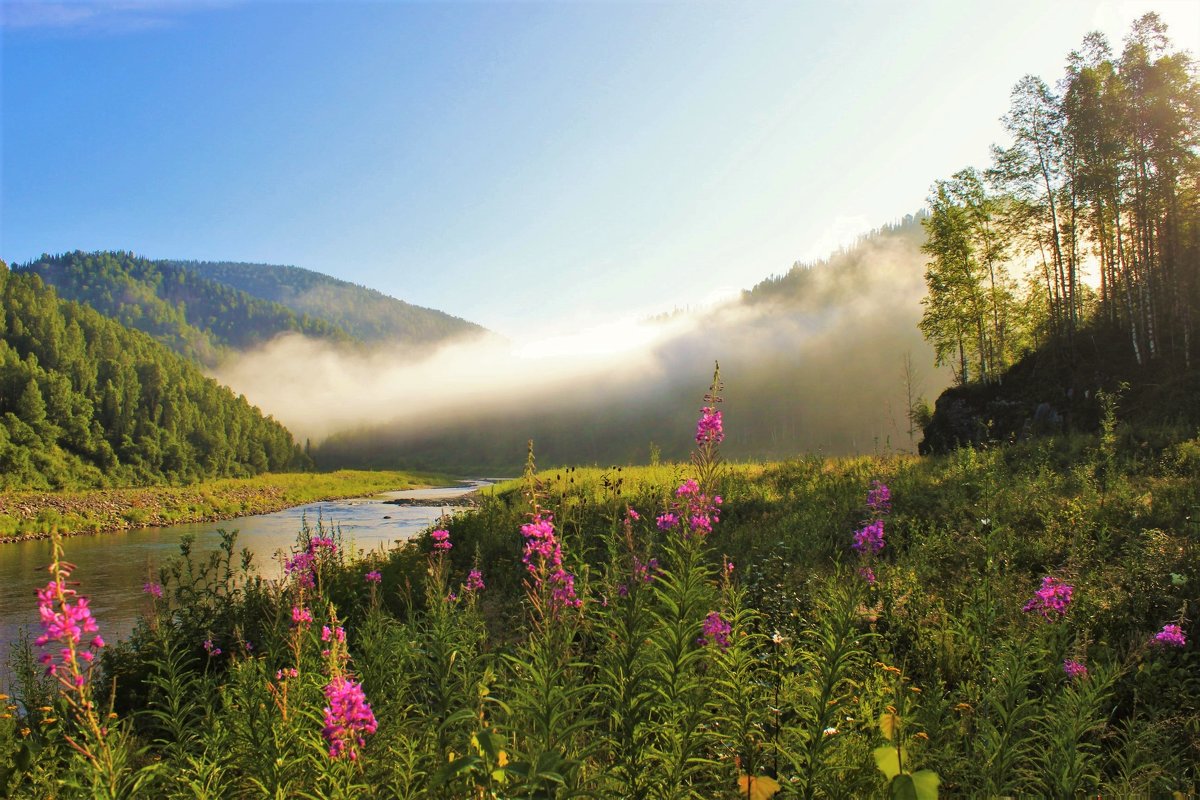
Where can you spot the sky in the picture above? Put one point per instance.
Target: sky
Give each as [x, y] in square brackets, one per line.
[533, 167]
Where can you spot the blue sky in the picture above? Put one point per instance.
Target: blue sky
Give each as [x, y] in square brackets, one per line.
[527, 165]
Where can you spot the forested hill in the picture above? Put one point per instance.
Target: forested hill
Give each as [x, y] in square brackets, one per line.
[808, 285]
[192, 315]
[366, 314]
[85, 401]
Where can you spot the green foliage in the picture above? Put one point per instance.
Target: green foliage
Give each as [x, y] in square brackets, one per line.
[194, 316]
[86, 402]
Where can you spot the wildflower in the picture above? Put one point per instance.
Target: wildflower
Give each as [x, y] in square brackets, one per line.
[633, 514]
[348, 718]
[716, 631]
[1075, 670]
[153, 589]
[1170, 636]
[543, 559]
[709, 428]
[211, 649]
[373, 577]
[879, 498]
[301, 616]
[869, 540]
[65, 623]
[667, 521]
[867, 574]
[1052, 599]
[441, 540]
[475, 581]
[284, 674]
[338, 633]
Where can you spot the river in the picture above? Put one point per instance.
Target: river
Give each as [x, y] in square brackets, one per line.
[113, 567]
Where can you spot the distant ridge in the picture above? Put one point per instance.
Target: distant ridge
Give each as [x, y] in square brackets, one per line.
[198, 318]
[366, 314]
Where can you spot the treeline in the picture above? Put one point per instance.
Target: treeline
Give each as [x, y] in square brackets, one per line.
[87, 402]
[1089, 217]
[194, 316]
[365, 313]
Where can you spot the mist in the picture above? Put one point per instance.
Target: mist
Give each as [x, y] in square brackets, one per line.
[813, 362]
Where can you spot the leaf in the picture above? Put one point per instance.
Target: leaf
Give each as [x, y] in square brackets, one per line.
[760, 787]
[902, 788]
[888, 723]
[926, 782]
[887, 758]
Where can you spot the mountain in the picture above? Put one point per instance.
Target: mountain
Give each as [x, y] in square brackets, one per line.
[85, 401]
[366, 314]
[194, 316]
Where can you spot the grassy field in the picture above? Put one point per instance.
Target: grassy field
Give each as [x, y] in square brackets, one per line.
[40, 514]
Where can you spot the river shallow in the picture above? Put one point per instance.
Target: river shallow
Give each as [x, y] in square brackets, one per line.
[112, 567]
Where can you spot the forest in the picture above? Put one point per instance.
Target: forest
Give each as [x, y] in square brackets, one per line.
[87, 402]
[1086, 223]
[196, 317]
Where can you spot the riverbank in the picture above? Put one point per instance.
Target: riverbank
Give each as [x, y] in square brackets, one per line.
[37, 515]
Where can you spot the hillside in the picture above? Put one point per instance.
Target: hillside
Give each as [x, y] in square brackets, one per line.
[196, 317]
[85, 401]
[366, 314]
[814, 361]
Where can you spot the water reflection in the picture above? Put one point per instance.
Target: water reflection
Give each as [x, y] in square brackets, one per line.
[113, 567]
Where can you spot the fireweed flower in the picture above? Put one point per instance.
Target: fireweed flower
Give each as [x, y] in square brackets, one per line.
[709, 428]
[66, 621]
[879, 498]
[301, 616]
[867, 574]
[211, 649]
[1052, 599]
[153, 589]
[693, 507]
[475, 581]
[1075, 670]
[373, 576]
[543, 559]
[1170, 636]
[869, 540]
[716, 631]
[441, 540]
[348, 718]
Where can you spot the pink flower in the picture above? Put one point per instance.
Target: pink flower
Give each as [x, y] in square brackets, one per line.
[869, 540]
[373, 576]
[301, 616]
[543, 559]
[475, 581]
[441, 540]
[709, 428]
[1075, 670]
[1052, 599]
[716, 631]
[879, 498]
[348, 718]
[153, 589]
[1170, 636]
[65, 623]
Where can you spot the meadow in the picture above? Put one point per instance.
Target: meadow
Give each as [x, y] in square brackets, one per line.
[1015, 620]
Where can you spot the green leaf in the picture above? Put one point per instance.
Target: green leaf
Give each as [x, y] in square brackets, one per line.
[887, 758]
[926, 782]
[902, 788]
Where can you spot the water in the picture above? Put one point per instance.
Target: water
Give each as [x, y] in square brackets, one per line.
[113, 567]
